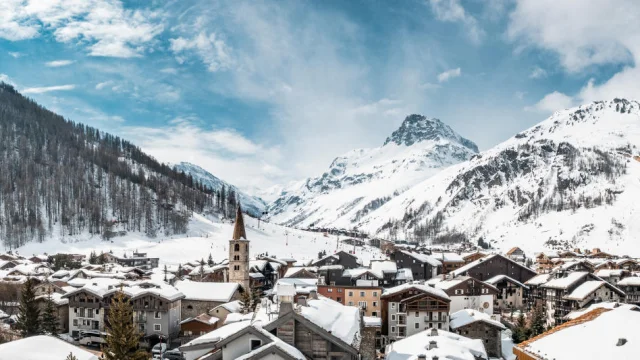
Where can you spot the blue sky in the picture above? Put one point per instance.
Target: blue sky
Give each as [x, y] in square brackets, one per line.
[264, 92]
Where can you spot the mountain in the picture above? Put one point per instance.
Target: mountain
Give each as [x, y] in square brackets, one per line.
[251, 204]
[64, 179]
[359, 182]
[571, 181]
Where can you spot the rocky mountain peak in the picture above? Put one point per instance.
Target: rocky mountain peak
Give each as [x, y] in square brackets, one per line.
[416, 128]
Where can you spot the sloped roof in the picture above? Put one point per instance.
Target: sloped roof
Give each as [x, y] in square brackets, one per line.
[239, 232]
[565, 282]
[207, 291]
[42, 347]
[467, 316]
[417, 286]
[449, 346]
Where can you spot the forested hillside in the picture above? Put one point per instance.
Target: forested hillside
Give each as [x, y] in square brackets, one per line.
[60, 178]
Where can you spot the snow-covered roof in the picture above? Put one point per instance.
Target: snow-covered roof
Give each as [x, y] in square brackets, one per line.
[404, 274]
[220, 333]
[594, 336]
[372, 321]
[606, 273]
[232, 306]
[331, 267]
[586, 288]
[499, 278]
[448, 257]
[207, 291]
[237, 317]
[301, 286]
[630, 281]
[448, 346]
[42, 347]
[467, 316]
[421, 287]
[341, 321]
[423, 258]
[538, 279]
[603, 305]
[293, 270]
[202, 318]
[275, 343]
[565, 282]
[56, 298]
[359, 272]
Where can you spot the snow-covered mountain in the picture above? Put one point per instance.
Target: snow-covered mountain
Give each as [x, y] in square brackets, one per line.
[571, 181]
[251, 204]
[359, 182]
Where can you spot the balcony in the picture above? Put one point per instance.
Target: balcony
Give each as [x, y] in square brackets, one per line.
[402, 321]
[140, 319]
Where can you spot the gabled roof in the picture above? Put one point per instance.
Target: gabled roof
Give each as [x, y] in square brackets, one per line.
[499, 278]
[202, 318]
[207, 291]
[468, 316]
[427, 289]
[513, 250]
[42, 347]
[448, 346]
[422, 258]
[566, 282]
[475, 263]
[588, 287]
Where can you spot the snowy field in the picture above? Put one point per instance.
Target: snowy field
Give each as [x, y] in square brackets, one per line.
[206, 236]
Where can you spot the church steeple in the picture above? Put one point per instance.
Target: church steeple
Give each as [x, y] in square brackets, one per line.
[239, 232]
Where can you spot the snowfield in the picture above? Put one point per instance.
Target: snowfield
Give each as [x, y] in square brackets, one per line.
[206, 236]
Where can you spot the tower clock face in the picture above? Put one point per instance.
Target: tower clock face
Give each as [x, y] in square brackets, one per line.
[485, 305]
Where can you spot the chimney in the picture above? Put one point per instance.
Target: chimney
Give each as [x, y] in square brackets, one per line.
[435, 357]
[302, 301]
[577, 251]
[432, 345]
[434, 332]
[422, 357]
[313, 295]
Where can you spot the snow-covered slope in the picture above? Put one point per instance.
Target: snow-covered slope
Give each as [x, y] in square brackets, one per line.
[206, 235]
[571, 181]
[251, 204]
[361, 181]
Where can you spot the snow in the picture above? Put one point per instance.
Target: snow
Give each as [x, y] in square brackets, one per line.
[301, 286]
[565, 282]
[56, 298]
[499, 278]
[342, 321]
[607, 273]
[538, 279]
[232, 306]
[585, 289]
[629, 281]
[383, 267]
[471, 265]
[205, 236]
[371, 321]
[449, 346]
[42, 347]
[603, 305]
[275, 342]
[467, 316]
[293, 270]
[423, 258]
[600, 335]
[220, 333]
[507, 345]
[421, 287]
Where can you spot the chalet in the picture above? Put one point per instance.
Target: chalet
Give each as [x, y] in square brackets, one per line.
[361, 276]
[493, 265]
[516, 254]
[546, 261]
[411, 308]
[599, 334]
[467, 293]
[366, 298]
[137, 260]
[471, 257]
[269, 274]
[478, 325]
[348, 261]
[53, 287]
[598, 254]
[330, 274]
[279, 266]
[568, 254]
[631, 287]
[221, 311]
[574, 291]
[537, 294]
[628, 264]
[450, 261]
[612, 276]
[512, 294]
[423, 267]
[577, 265]
[436, 344]
[309, 272]
[200, 297]
[193, 327]
[61, 309]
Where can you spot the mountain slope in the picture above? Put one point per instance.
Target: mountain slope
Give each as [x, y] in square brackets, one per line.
[59, 178]
[571, 181]
[251, 204]
[361, 181]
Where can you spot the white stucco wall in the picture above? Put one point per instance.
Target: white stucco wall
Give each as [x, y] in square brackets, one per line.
[462, 302]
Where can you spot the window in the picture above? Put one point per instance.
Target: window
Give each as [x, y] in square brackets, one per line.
[393, 329]
[350, 303]
[362, 304]
[339, 299]
[157, 315]
[82, 312]
[190, 307]
[329, 290]
[90, 313]
[361, 293]
[350, 293]
[157, 327]
[255, 344]
[417, 314]
[187, 332]
[236, 267]
[236, 257]
[339, 290]
[439, 325]
[393, 305]
[98, 311]
[374, 313]
[375, 303]
[459, 292]
[236, 247]
[393, 318]
[75, 322]
[417, 325]
[375, 293]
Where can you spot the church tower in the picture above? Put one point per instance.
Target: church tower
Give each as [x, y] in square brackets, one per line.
[239, 254]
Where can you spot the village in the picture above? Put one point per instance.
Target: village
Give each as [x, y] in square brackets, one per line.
[421, 302]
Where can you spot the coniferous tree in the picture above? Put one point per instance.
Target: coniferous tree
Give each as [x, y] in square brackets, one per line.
[28, 311]
[49, 318]
[165, 273]
[520, 332]
[71, 357]
[122, 342]
[210, 260]
[537, 320]
[179, 273]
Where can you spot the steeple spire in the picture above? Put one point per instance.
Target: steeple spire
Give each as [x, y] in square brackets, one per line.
[238, 230]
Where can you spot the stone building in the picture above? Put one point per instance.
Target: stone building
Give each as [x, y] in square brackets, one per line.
[477, 325]
[201, 297]
[239, 254]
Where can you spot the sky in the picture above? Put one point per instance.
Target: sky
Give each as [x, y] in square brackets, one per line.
[261, 93]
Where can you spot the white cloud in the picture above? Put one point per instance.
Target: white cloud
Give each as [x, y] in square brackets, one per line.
[104, 26]
[224, 152]
[552, 102]
[5, 79]
[212, 50]
[104, 84]
[449, 74]
[452, 11]
[538, 73]
[15, 54]
[40, 90]
[429, 86]
[169, 70]
[59, 63]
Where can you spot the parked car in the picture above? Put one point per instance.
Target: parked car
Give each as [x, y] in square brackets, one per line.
[174, 354]
[158, 349]
[92, 337]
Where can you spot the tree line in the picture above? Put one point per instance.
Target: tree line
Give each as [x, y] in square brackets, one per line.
[62, 178]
